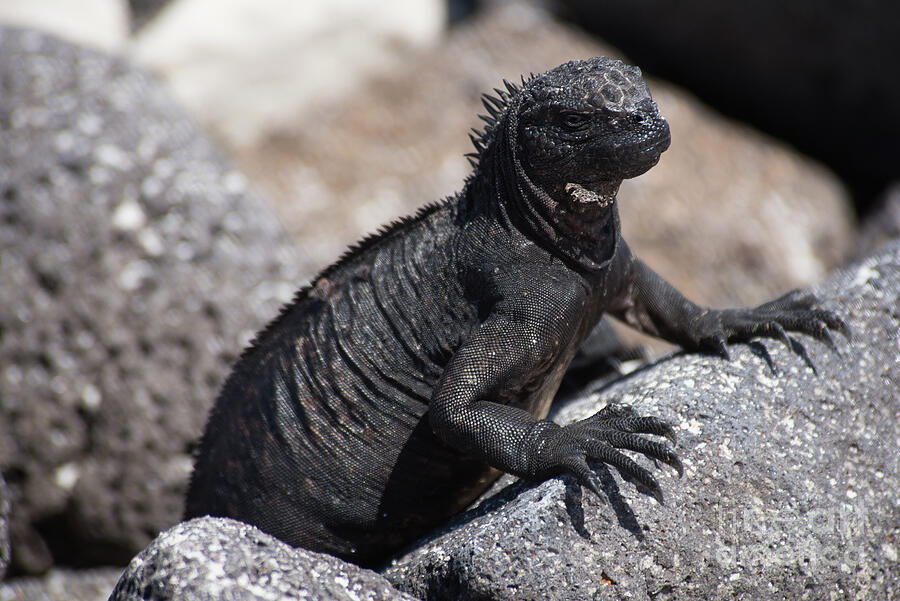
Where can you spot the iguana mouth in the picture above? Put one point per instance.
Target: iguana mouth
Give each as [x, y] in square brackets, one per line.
[599, 195]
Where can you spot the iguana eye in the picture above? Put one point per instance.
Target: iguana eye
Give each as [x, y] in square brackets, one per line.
[574, 120]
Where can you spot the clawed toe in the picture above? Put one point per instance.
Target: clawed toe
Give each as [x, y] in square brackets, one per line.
[578, 467]
[643, 425]
[605, 435]
[794, 312]
[777, 331]
[627, 466]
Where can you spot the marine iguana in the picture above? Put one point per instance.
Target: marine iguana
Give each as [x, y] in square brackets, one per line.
[393, 390]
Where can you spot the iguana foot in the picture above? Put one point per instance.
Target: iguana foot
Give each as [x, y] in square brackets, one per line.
[796, 311]
[599, 438]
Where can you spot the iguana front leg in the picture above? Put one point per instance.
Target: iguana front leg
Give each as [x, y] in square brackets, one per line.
[504, 364]
[652, 305]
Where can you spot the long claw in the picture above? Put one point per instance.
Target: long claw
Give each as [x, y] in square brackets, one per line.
[825, 336]
[837, 324]
[800, 351]
[580, 469]
[676, 463]
[600, 438]
[845, 330]
[657, 494]
[634, 442]
[652, 425]
[758, 348]
[643, 425]
[669, 432]
[832, 319]
[721, 348]
[781, 334]
[627, 466]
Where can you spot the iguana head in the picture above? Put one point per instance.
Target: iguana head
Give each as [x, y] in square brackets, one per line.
[566, 139]
[587, 125]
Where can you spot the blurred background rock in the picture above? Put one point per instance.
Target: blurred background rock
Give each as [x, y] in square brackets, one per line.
[342, 115]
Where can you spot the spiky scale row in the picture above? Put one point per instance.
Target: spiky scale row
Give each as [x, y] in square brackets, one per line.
[512, 88]
[493, 105]
[477, 142]
[496, 105]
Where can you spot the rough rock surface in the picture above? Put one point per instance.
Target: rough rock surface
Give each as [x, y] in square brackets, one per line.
[4, 527]
[729, 216]
[134, 266]
[808, 71]
[789, 491]
[882, 225]
[218, 558]
[62, 585]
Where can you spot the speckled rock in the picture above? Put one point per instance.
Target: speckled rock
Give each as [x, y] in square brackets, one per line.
[789, 492]
[134, 265]
[62, 585]
[4, 527]
[217, 558]
[729, 216]
[882, 225]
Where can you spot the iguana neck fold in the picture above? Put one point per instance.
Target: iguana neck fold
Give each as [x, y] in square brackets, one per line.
[587, 239]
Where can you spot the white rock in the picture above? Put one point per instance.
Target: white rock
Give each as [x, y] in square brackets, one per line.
[99, 23]
[244, 67]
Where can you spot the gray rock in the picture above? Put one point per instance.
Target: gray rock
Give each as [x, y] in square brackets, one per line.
[134, 265]
[789, 492]
[218, 558]
[881, 225]
[4, 527]
[62, 585]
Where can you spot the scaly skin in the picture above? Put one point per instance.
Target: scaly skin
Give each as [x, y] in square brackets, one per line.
[388, 395]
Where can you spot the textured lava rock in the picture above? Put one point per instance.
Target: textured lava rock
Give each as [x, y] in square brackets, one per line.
[62, 585]
[135, 264]
[882, 225]
[4, 527]
[217, 558]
